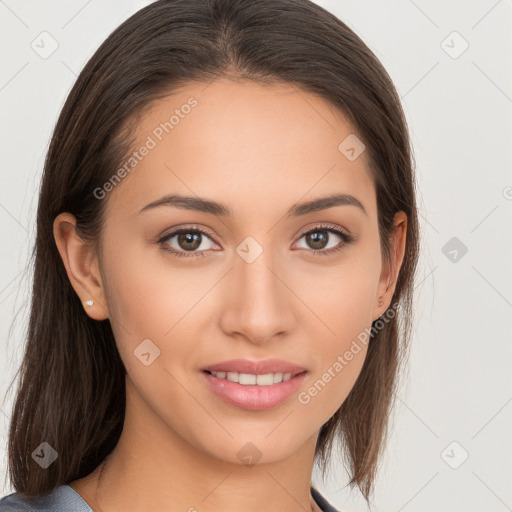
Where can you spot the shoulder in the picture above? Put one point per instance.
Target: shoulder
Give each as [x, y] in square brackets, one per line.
[322, 502]
[62, 499]
[65, 499]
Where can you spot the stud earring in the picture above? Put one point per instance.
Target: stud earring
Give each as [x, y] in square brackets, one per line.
[89, 303]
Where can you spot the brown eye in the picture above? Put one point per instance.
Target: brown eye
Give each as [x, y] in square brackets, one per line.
[187, 240]
[317, 239]
[323, 240]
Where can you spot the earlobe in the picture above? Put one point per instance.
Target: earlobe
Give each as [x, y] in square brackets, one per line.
[81, 264]
[390, 274]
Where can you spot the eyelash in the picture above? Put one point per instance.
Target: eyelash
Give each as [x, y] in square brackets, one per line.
[346, 240]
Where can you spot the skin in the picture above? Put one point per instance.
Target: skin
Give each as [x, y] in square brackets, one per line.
[258, 150]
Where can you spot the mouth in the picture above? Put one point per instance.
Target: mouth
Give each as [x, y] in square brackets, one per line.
[250, 367]
[253, 392]
[252, 379]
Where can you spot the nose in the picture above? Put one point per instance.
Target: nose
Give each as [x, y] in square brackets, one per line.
[259, 305]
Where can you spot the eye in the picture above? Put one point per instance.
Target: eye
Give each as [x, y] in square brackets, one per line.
[188, 242]
[321, 239]
[193, 242]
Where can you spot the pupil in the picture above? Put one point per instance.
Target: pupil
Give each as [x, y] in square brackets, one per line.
[318, 239]
[188, 238]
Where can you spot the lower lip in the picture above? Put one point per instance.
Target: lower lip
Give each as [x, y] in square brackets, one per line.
[254, 398]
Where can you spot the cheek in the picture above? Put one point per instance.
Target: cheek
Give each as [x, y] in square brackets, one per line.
[150, 298]
[149, 319]
[147, 293]
[345, 307]
[339, 358]
[341, 299]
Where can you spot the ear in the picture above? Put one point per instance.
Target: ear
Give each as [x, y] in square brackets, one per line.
[390, 272]
[81, 262]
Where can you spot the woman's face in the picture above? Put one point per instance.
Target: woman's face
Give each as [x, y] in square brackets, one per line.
[251, 286]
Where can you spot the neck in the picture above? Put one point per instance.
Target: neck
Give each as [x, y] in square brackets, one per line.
[154, 468]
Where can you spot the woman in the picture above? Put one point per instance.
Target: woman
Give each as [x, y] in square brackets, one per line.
[227, 238]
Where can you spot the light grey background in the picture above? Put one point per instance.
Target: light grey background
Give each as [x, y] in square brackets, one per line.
[458, 387]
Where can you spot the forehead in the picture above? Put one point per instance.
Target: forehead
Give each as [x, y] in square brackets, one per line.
[249, 145]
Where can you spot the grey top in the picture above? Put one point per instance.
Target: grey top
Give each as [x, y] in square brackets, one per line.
[62, 499]
[65, 499]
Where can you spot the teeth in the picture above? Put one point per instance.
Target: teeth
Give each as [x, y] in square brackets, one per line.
[249, 379]
[265, 380]
[278, 377]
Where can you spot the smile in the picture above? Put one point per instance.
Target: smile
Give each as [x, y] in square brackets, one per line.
[250, 379]
[251, 391]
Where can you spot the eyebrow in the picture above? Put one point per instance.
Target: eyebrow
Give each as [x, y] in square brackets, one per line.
[218, 209]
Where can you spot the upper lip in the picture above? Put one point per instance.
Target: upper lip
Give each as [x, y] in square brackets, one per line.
[256, 367]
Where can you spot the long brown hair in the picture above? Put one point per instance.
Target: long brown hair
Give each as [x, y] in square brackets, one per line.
[71, 391]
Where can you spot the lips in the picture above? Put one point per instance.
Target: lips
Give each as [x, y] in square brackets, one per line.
[256, 367]
[247, 384]
[253, 397]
